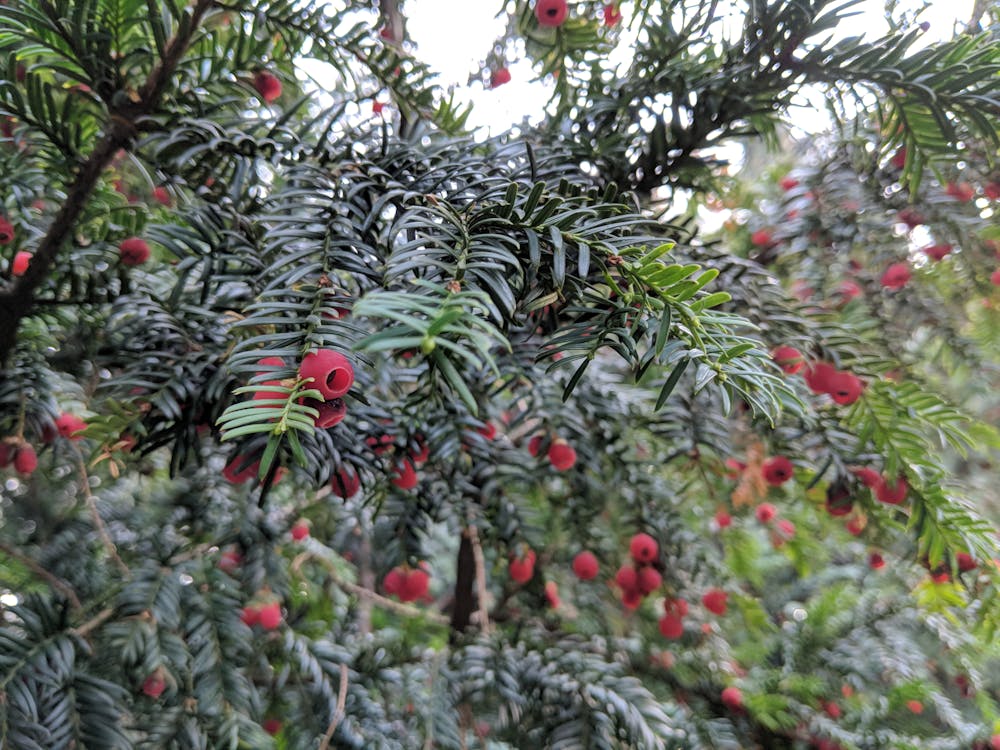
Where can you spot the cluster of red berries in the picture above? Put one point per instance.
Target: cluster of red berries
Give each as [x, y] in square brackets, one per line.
[405, 475]
[560, 453]
[640, 579]
[21, 454]
[407, 584]
[672, 623]
[783, 528]
[891, 492]
[821, 377]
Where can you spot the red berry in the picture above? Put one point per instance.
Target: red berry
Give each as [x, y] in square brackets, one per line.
[838, 501]
[488, 431]
[585, 566]
[643, 548]
[995, 742]
[133, 251]
[627, 578]
[675, 607]
[817, 376]
[786, 528]
[238, 471]
[551, 12]
[715, 600]
[331, 373]
[868, 477]
[612, 15]
[898, 159]
[69, 426]
[331, 413]
[846, 690]
[392, 584]
[535, 444]
[960, 191]
[734, 468]
[377, 107]
[270, 616]
[789, 359]
[300, 531]
[161, 196]
[19, 265]
[499, 77]
[995, 277]
[937, 252]
[25, 460]
[649, 580]
[631, 599]
[876, 561]
[422, 454]
[762, 238]
[915, 706]
[271, 726]
[230, 560]
[766, 512]
[561, 454]
[911, 218]
[855, 525]
[6, 231]
[414, 585]
[849, 289]
[965, 562]
[522, 568]
[552, 594]
[345, 483]
[154, 686]
[671, 627]
[896, 276]
[845, 388]
[267, 85]
[723, 520]
[892, 494]
[832, 709]
[777, 470]
[250, 615]
[732, 697]
[405, 476]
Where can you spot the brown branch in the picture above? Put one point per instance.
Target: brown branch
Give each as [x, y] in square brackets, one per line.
[338, 715]
[93, 623]
[119, 132]
[102, 530]
[465, 578]
[481, 592]
[38, 570]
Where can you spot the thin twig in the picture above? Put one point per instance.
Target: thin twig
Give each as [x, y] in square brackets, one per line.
[477, 555]
[41, 572]
[102, 530]
[93, 623]
[338, 715]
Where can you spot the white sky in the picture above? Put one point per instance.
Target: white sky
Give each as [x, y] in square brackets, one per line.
[457, 47]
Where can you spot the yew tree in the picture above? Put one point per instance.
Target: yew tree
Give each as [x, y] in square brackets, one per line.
[664, 423]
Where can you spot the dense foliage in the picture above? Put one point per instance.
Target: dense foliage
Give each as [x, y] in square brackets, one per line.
[324, 429]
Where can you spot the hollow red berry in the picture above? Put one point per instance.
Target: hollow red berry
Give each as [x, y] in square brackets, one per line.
[331, 373]
[551, 12]
[643, 548]
[69, 426]
[271, 726]
[723, 520]
[631, 599]
[300, 531]
[965, 562]
[845, 388]
[153, 686]
[585, 566]
[762, 238]
[627, 578]
[345, 483]
[777, 470]
[876, 561]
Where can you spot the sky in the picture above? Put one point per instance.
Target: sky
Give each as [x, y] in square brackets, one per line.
[454, 37]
